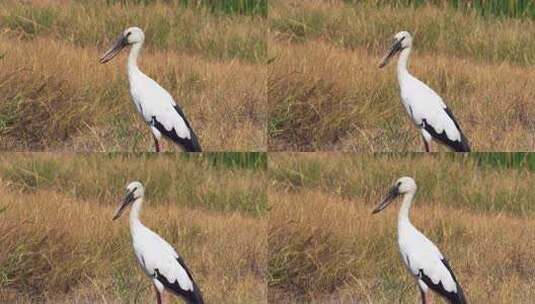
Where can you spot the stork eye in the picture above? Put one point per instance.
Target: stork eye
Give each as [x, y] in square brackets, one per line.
[128, 34]
[399, 184]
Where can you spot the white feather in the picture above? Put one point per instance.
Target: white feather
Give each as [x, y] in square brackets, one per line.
[418, 252]
[153, 253]
[152, 100]
[421, 102]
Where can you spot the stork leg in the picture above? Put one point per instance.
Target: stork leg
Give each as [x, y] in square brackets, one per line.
[156, 144]
[422, 294]
[158, 296]
[427, 146]
[426, 297]
[165, 297]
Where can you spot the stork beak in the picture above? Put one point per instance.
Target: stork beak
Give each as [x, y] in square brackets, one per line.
[394, 48]
[116, 47]
[390, 196]
[129, 198]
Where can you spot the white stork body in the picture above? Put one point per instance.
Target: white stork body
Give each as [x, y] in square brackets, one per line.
[425, 107]
[157, 258]
[421, 257]
[153, 102]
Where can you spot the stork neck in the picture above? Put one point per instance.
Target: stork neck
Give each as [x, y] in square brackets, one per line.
[132, 57]
[135, 211]
[403, 216]
[403, 62]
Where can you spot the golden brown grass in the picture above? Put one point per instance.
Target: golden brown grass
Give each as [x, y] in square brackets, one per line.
[57, 97]
[58, 246]
[333, 250]
[326, 92]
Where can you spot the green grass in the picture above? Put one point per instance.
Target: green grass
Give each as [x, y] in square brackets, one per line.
[437, 29]
[230, 7]
[517, 160]
[483, 182]
[167, 25]
[489, 160]
[236, 182]
[31, 21]
[241, 7]
[247, 160]
[486, 8]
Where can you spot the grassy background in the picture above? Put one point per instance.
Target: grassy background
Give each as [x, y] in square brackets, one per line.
[486, 8]
[59, 245]
[325, 91]
[477, 209]
[209, 58]
[244, 7]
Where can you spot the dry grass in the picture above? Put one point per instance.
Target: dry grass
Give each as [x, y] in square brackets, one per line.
[58, 246]
[332, 250]
[325, 91]
[61, 99]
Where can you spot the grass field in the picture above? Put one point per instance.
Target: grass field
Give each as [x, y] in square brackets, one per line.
[58, 243]
[55, 96]
[478, 210]
[325, 91]
[485, 8]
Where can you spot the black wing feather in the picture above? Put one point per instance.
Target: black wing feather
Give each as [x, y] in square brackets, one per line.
[464, 140]
[196, 144]
[457, 146]
[452, 297]
[191, 297]
[190, 145]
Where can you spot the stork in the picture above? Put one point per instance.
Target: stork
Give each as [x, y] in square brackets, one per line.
[422, 258]
[153, 102]
[426, 109]
[157, 258]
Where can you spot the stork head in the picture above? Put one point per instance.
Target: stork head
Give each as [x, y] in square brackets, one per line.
[401, 186]
[134, 191]
[402, 40]
[130, 36]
